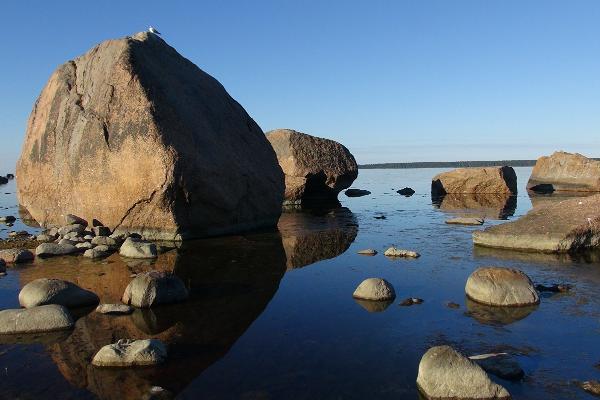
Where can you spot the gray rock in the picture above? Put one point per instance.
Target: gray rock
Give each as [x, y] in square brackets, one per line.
[367, 252]
[117, 309]
[16, 255]
[130, 353]
[84, 245]
[98, 252]
[44, 238]
[152, 288]
[497, 286]
[137, 248]
[106, 241]
[46, 318]
[502, 365]
[101, 230]
[68, 242]
[55, 249]
[55, 291]
[88, 237]
[444, 373]
[394, 252]
[62, 231]
[374, 289]
[72, 236]
[465, 221]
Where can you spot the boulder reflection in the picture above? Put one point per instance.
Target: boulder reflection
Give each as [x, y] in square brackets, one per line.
[491, 315]
[374, 306]
[489, 206]
[309, 237]
[231, 281]
[543, 200]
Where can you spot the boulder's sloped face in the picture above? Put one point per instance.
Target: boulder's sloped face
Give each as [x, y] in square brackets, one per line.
[496, 286]
[496, 180]
[136, 136]
[564, 226]
[444, 373]
[47, 318]
[565, 172]
[315, 169]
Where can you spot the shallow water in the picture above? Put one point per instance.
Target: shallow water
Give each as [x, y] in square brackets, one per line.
[272, 316]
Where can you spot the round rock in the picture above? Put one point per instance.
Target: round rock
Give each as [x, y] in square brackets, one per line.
[55, 291]
[46, 318]
[130, 353]
[116, 309]
[375, 289]
[497, 286]
[444, 373]
[152, 288]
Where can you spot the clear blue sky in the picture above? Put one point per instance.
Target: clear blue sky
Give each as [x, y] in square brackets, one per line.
[393, 80]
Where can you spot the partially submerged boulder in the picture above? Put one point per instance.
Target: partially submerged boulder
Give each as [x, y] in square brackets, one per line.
[114, 309]
[444, 373]
[496, 286]
[137, 248]
[55, 249]
[566, 226]
[565, 172]
[16, 255]
[376, 289]
[136, 136]
[131, 353]
[315, 169]
[46, 318]
[488, 180]
[153, 288]
[55, 291]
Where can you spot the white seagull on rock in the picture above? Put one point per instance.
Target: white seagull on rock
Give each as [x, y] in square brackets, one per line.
[151, 29]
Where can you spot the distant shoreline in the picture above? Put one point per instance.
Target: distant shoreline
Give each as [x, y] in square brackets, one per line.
[452, 164]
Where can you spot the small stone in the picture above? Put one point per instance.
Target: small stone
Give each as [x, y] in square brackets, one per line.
[46, 318]
[152, 288]
[10, 176]
[88, 237]
[68, 242]
[44, 238]
[394, 252]
[117, 309]
[2, 266]
[8, 218]
[411, 301]
[84, 245]
[500, 364]
[367, 252]
[406, 192]
[16, 255]
[375, 289]
[62, 231]
[380, 217]
[101, 230]
[496, 286]
[137, 248]
[55, 291]
[129, 353]
[465, 221]
[55, 249]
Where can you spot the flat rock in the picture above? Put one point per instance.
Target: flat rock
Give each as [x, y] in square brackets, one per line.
[55, 249]
[152, 288]
[117, 309]
[500, 364]
[16, 255]
[357, 192]
[55, 291]
[131, 353]
[137, 248]
[84, 245]
[497, 286]
[499, 180]
[394, 252]
[567, 226]
[565, 172]
[465, 221]
[133, 134]
[46, 318]
[444, 373]
[367, 252]
[315, 169]
[376, 289]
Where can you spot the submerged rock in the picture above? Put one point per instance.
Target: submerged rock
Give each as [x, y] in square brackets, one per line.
[7, 218]
[137, 248]
[131, 353]
[465, 221]
[16, 255]
[98, 252]
[444, 373]
[153, 288]
[394, 252]
[499, 180]
[47, 318]
[55, 291]
[55, 249]
[136, 136]
[375, 289]
[500, 364]
[315, 169]
[497, 286]
[567, 226]
[565, 172]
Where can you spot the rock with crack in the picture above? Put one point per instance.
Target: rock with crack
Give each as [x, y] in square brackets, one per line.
[496, 286]
[136, 136]
[131, 353]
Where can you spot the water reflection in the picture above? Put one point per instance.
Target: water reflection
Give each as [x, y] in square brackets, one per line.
[231, 280]
[489, 206]
[587, 257]
[542, 200]
[309, 237]
[374, 306]
[491, 315]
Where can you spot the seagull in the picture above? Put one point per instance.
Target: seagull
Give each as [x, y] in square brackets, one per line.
[151, 29]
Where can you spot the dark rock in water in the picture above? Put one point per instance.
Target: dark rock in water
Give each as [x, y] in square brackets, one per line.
[138, 137]
[544, 188]
[489, 180]
[411, 301]
[554, 288]
[500, 364]
[8, 218]
[380, 217]
[452, 304]
[407, 192]
[10, 176]
[3, 180]
[315, 169]
[565, 172]
[592, 387]
[356, 192]
[55, 291]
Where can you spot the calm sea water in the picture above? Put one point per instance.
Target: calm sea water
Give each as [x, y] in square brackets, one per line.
[272, 316]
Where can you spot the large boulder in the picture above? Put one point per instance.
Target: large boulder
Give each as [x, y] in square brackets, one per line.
[55, 291]
[444, 373]
[565, 172]
[495, 286]
[488, 180]
[562, 227]
[315, 169]
[136, 136]
[153, 288]
[46, 318]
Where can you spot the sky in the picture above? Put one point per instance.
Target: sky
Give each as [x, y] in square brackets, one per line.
[394, 81]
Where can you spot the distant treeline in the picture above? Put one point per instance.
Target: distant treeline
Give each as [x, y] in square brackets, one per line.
[451, 164]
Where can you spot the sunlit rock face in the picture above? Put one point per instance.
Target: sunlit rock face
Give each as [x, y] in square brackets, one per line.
[136, 136]
[568, 172]
[231, 281]
[496, 180]
[309, 237]
[487, 206]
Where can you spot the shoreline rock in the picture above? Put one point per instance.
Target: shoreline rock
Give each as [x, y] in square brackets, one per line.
[46, 318]
[565, 172]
